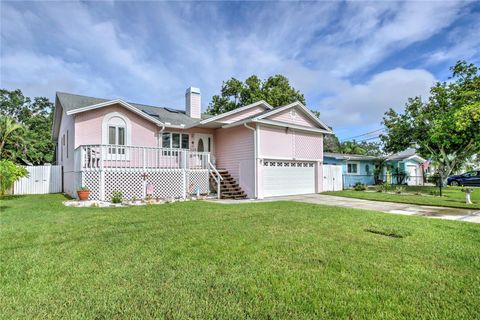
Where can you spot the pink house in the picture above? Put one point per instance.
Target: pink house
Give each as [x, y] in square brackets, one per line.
[255, 151]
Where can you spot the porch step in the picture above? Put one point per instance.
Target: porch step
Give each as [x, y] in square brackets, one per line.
[229, 188]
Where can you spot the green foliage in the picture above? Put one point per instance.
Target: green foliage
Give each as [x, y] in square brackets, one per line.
[446, 128]
[83, 189]
[12, 142]
[434, 193]
[35, 117]
[331, 143]
[421, 195]
[201, 260]
[359, 187]
[117, 197]
[384, 187]
[9, 173]
[276, 91]
[362, 148]
[400, 189]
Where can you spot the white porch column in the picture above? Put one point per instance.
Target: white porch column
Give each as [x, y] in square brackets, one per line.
[318, 176]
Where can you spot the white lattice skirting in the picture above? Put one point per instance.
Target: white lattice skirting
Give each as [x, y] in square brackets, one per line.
[167, 183]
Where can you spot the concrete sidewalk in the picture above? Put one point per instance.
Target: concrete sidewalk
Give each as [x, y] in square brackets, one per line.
[388, 207]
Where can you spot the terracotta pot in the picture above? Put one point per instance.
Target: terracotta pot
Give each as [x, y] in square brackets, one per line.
[83, 195]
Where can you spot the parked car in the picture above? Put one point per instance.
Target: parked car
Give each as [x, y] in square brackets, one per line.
[471, 178]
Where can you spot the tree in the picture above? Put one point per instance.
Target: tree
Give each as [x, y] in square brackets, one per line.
[331, 143]
[9, 173]
[446, 128]
[276, 91]
[371, 148]
[352, 147]
[36, 117]
[12, 143]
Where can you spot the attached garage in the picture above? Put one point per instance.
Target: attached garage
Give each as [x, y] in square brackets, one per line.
[281, 178]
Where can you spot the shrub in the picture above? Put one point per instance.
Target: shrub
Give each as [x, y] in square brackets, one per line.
[9, 173]
[434, 178]
[434, 193]
[384, 187]
[117, 197]
[359, 187]
[400, 189]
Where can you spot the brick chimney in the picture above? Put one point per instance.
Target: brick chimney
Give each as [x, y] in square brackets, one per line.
[193, 103]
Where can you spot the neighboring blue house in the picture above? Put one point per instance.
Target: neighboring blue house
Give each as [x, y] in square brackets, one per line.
[355, 168]
[405, 167]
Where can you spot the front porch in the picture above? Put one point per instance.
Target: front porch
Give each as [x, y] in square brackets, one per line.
[140, 172]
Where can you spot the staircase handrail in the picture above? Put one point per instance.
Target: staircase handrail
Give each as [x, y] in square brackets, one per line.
[218, 177]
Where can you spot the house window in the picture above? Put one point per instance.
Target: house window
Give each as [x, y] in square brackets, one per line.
[185, 141]
[116, 132]
[62, 147]
[352, 168]
[367, 169]
[67, 144]
[175, 140]
[116, 135]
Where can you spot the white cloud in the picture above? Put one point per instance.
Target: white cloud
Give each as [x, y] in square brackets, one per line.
[365, 104]
[150, 52]
[47, 74]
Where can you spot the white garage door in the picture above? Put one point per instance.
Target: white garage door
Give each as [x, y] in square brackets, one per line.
[281, 178]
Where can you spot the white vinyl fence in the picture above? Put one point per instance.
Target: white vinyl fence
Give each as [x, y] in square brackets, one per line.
[332, 178]
[41, 180]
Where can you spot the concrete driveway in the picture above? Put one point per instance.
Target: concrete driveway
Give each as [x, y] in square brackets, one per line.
[388, 207]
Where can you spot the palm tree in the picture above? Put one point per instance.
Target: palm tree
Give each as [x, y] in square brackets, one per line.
[351, 147]
[12, 142]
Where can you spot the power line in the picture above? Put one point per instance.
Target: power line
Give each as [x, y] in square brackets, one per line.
[366, 139]
[361, 135]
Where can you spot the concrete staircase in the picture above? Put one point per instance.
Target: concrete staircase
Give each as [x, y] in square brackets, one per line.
[229, 188]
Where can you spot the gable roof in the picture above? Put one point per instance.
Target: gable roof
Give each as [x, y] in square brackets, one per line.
[407, 154]
[345, 156]
[260, 118]
[234, 111]
[73, 103]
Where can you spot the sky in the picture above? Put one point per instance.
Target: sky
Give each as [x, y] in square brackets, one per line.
[352, 60]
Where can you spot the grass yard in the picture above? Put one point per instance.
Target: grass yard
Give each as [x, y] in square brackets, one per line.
[261, 261]
[451, 196]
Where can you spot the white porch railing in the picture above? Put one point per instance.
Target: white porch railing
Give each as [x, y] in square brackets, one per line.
[104, 157]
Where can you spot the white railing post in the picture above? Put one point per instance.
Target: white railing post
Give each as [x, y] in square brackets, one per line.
[82, 158]
[185, 184]
[102, 174]
[144, 154]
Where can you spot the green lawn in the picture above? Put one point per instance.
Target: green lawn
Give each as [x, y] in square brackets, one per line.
[451, 196]
[259, 261]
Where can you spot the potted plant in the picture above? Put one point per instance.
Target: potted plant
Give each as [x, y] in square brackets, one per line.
[83, 193]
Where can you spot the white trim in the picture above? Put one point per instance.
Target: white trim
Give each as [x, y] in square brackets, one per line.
[353, 173]
[291, 125]
[226, 114]
[120, 102]
[255, 160]
[302, 107]
[415, 157]
[128, 127]
[171, 139]
[263, 158]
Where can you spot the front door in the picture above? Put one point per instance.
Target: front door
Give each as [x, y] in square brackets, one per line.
[203, 142]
